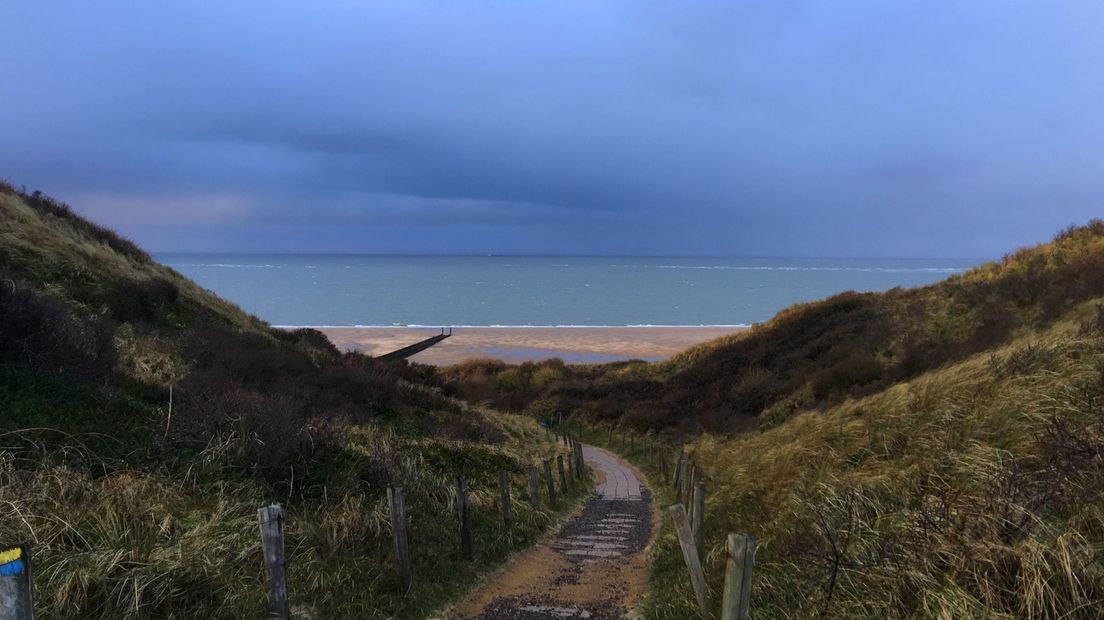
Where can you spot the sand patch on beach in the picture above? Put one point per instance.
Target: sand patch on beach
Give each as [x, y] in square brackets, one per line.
[519, 344]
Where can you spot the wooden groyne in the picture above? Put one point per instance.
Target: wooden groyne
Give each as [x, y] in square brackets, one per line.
[417, 347]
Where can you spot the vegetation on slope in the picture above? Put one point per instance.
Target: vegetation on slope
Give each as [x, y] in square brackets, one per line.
[936, 452]
[812, 355]
[137, 508]
[973, 491]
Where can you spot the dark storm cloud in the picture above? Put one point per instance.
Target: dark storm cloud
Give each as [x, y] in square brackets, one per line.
[847, 128]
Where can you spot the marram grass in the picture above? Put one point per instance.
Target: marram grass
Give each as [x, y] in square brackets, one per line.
[973, 491]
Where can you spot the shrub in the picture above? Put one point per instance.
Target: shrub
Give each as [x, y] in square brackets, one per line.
[267, 434]
[854, 370]
[41, 333]
[462, 426]
[133, 300]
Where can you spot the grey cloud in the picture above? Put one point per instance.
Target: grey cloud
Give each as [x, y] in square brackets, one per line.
[607, 127]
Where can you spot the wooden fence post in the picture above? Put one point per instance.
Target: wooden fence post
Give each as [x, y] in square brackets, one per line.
[698, 521]
[737, 588]
[549, 482]
[534, 486]
[688, 483]
[463, 509]
[397, 507]
[563, 476]
[15, 582]
[504, 487]
[272, 543]
[690, 555]
[688, 501]
[679, 464]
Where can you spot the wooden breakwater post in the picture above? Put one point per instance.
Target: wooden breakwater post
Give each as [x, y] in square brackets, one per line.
[563, 476]
[504, 488]
[271, 519]
[15, 582]
[397, 507]
[548, 481]
[534, 486]
[737, 588]
[463, 510]
[690, 556]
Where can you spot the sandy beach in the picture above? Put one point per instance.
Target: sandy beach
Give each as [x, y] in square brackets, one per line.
[579, 345]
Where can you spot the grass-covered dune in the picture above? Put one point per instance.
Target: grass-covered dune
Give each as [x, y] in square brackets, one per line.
[812, 355]
[975, 490]
[926, 453]
[137, 508]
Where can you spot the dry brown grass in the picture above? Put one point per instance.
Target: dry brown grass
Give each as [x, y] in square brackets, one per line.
[971, 491]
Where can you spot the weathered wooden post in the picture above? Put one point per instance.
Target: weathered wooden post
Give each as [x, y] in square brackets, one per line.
[272, 544]
[548, 481]
[679, 464]
[690, 555]
[504, 487]
[15, 583]
[698, 521]
[534, 486]
[688, 501]
[397, 507]
[737, 588]
[609, 438]
[687, 480]
[563, 476]
[463, 509]
[688, 483]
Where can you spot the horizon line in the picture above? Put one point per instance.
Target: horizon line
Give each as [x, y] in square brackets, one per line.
[539, 255]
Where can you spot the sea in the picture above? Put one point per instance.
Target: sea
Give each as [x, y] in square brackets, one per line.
[370, 290]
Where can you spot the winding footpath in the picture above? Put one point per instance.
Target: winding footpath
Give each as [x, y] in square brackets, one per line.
[594, 567]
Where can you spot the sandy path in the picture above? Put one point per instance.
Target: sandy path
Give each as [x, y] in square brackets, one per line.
[594, 567]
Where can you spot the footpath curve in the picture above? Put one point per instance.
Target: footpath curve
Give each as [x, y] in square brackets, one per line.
[594, 567]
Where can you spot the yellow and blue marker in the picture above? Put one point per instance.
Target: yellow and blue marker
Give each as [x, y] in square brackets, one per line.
[11, 562]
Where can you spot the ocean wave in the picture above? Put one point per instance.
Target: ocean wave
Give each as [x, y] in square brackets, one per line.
[855, 269]
[229, 265]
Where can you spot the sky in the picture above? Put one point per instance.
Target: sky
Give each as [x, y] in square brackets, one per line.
[874, 128]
